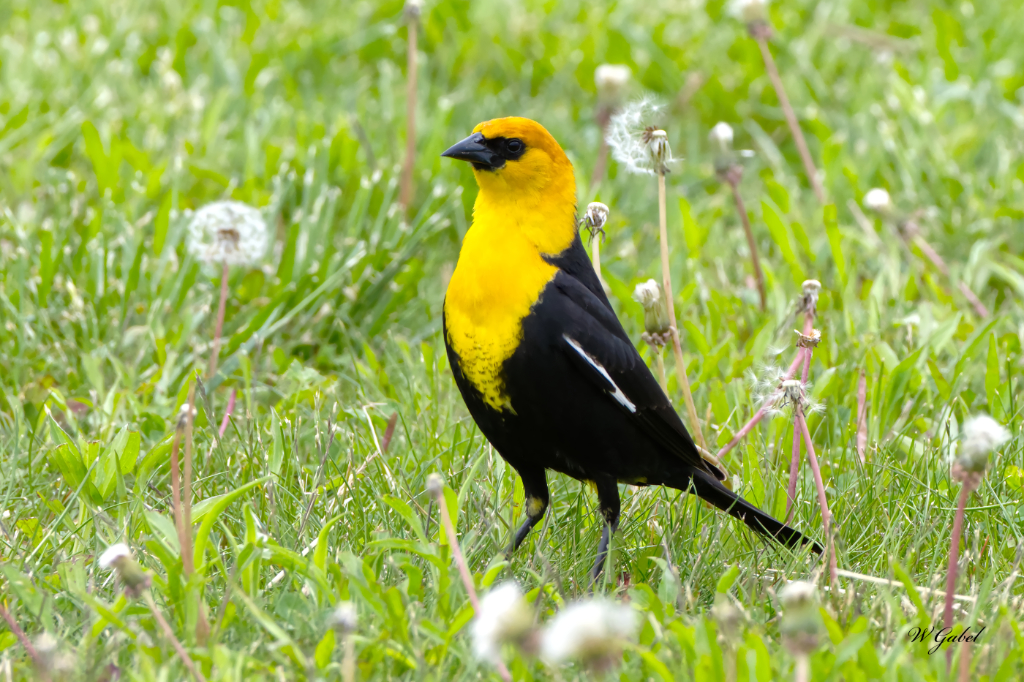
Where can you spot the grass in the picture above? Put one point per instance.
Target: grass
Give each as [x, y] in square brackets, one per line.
[118, 118]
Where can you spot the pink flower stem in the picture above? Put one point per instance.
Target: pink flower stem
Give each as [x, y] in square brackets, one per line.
[791, 120]
[460, 561]
[23, 638]
[954, 556]
[169, 633]
[759, 415]
[227, 413]
[794, 469]
[794, 463]
[733, 179]
[826, 515]
[220, 320]
[862, 417]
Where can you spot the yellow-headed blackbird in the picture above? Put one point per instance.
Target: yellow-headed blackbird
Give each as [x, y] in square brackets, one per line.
[543, 364]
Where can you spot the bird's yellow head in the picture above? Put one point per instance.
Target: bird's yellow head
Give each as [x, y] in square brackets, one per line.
[524, 178]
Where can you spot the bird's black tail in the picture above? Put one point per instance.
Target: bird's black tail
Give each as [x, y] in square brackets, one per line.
[707, 488]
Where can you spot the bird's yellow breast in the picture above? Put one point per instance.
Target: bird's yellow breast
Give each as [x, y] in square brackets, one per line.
[499, 276]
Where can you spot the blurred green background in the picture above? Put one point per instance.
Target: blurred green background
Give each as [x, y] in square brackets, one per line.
[117, 119]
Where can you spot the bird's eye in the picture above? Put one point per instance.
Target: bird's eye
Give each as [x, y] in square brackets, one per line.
[514, 146]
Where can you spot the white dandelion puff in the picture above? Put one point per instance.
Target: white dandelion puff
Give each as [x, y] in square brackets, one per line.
[113, 554]
[504, 618]
[228, 232]
[343, 619]
[877, 199]
[596, 216]
[801, 620]
[435, 485]
[813, 406]
[656, 322]
[721, 136]
[798, 594]
[636, 143]
[772, 391]
[981, 435]
[647, 293]
[592, 631]
[749, 11]
[118, 558]
[611, 81]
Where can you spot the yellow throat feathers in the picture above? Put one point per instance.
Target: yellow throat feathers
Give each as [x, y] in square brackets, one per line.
[525, 210]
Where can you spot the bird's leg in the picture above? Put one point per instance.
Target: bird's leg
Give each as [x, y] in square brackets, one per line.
[608, 501]
[535, 486]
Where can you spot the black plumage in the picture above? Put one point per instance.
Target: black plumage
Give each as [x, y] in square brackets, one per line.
[585, 404]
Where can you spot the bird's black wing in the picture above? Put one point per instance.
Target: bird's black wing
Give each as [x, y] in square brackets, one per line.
[598, 347]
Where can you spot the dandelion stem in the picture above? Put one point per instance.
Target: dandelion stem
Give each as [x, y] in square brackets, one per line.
[227, 413]
[803, 669]
[660, 360]
[178, 648]
[186, 487]
[759, 415]
[803, 354]
[410, 113]
[348, 663]
[794, 469]
[911, 229]
[25, 642]
[954, 555]
[862, 417]
[666, 283]
[601, 165]
[972, 298]
[761, 36]
[604, 116]
[176, 487]
[595, 255]
[460, 561]
[965, 664]
[733, 181]
[826, 515]
[219, 328]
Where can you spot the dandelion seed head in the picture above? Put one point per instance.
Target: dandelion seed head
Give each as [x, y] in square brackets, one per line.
[596, 216]
[413, 8]
[981, 435]
[793, 389]
[635, 143]
[647, 293]
[800, 617]
[798, 594]
[228, 232]
[504, 618]
[721, 136]
[118, 557]
[769, 377]
[113, 554]
[435, 485]
[813, 407]
[811, 286]
[749, 11]
[593, 631]
[877, 199]
[611, 81]
[343, 618]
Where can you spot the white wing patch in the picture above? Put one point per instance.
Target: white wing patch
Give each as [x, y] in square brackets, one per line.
[618, 394]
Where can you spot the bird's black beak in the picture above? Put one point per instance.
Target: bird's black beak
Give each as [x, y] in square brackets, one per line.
[475, 150]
